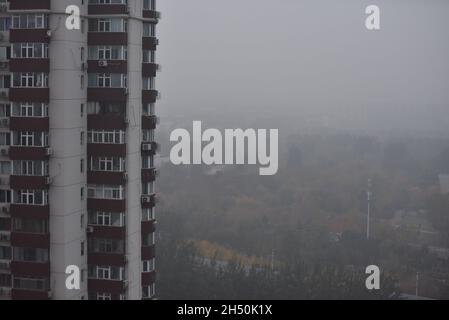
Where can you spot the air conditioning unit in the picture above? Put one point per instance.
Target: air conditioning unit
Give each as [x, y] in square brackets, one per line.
[103, 63]
[49, 33]
[50, 294]
[3, 7]
[4, 151]
[48, 180]
[125, 176]
[4, 94]
[5, 209]
[146, 199]
[90, 229]
[48, 151]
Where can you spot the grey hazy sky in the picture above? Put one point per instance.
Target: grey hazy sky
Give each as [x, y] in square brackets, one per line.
[301, 55]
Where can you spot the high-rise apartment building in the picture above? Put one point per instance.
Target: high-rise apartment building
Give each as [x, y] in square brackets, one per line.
[77, 125]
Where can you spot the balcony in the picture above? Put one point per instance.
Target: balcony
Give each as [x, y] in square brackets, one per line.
[29, 211]
[107, 9]
[109, 232]
[106, 205]
[149, 96]
[148, 227]
[106, 177]
[24, 294]
[106, 122]
[149, 175]
[30, 268]
[150, 43]
[107, 94]
[29, 65]
[149, 69]
[107, 38]
[30, 240]
[29, 123]
[29, 153]
[29, 182]
[107, 66]
[112, 286]
[111, 259]
[148, 278]
[149, 122]
[106, 149]
[31, 94]
[29, 35]
[29, 5]
[148, 253]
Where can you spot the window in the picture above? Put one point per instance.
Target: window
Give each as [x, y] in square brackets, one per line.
[105, 192]
[107, 164]
[82, 248]
[30, 80]
[5, 138]
[82, 109]
[103, 296]
[149, 4]
[148, 83]
[29, 109]
[106, 108]
[148, 109]
[148, 135]
[100, 218]
[5, 23]
[30, 254]
[5, 196]
[5, 167]
[5, 110]
[148, 265]
[107, 80]
[102, 245]
[30, 21]
[107, 52]
[117, 136]
[107, 1]
[5, 253]
[31, 283]
[148, 214]
[5, 81]
[29, 50]
[149, 30]
[81, 137]
[149, 56]
[108, 25]
[30, 167]
[31, 197]
[81, 165]
[30, 138]
[148, 239]
[148, 291]
[30, 225]
[147, 162]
